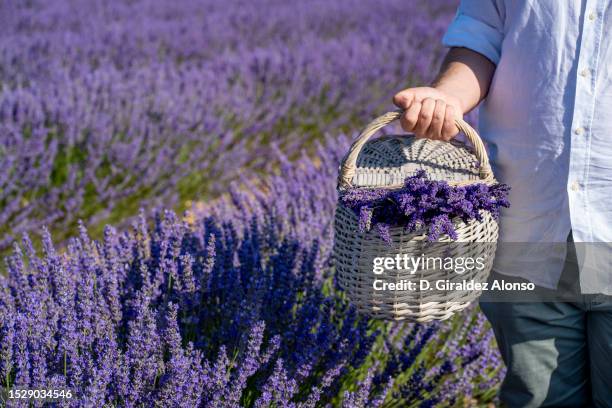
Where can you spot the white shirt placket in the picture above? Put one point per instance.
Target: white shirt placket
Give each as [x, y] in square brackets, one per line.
[578, 179]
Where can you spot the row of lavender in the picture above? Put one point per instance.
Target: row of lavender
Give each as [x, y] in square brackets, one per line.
[233, 305]
[107, 104]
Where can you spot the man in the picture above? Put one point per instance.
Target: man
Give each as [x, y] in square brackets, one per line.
[543, 71]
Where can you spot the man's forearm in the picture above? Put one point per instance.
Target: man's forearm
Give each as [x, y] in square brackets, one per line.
[466, 76]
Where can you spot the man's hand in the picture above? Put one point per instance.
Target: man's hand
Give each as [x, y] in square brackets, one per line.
[462, 83]
[429, 112]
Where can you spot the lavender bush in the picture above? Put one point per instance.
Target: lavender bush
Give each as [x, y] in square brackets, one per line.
[112, 105]
[109, 106]
[424, 204]
[232, 305]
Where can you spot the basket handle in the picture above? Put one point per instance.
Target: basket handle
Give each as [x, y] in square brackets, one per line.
[349, 163]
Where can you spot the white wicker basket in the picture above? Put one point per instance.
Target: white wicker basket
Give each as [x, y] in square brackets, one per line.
[386, 162]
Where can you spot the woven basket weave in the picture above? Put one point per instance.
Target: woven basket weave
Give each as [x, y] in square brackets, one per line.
[386, 162]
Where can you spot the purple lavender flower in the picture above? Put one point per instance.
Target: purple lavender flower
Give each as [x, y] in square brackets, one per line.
[121, 103]
[423, 203]
[223, 313]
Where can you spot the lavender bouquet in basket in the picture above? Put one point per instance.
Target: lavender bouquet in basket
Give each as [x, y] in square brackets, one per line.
[423, 204]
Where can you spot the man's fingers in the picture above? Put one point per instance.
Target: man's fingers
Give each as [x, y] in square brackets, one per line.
[437, 121]
[425, 117]
[427, 113]
[403, 99]
[410, 117]
[449, 130]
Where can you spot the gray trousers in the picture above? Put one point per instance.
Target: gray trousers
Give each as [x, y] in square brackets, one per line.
[558, 354]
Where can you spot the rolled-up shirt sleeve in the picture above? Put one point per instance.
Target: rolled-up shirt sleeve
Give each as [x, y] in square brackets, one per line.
[479, 26]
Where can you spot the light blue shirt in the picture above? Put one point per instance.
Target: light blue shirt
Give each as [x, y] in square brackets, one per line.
[547, 121]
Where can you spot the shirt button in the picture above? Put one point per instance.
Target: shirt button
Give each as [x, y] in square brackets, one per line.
[579, 130]
[584, 72]
[575, 186]
[592, 15]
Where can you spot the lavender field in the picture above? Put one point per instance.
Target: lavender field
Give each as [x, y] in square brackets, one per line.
[208, 134]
